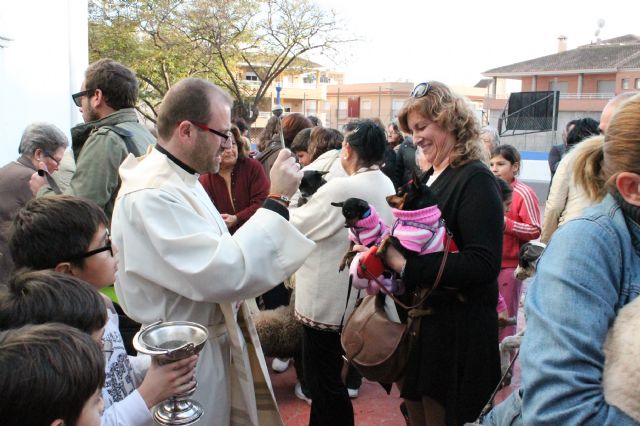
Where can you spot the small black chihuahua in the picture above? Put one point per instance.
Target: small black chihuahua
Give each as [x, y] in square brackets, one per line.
[311, 181]
[354, 210]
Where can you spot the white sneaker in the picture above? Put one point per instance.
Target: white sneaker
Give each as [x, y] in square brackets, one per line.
[298, 391]
[353, 393]
[280, 365]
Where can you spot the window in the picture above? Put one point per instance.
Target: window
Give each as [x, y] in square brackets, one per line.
[560, 86]
[342, 108]
[250, 76]
[607, 86]
[324, 79]
[638, 83]
[310, 107]
[625, 83]
[365, 104]
[397, 104]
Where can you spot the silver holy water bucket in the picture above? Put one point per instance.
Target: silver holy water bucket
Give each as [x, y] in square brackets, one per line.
[170, 342]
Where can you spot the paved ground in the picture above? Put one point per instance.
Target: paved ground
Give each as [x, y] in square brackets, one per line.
[373, 407]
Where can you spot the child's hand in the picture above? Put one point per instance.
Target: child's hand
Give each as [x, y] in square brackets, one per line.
[163, 381]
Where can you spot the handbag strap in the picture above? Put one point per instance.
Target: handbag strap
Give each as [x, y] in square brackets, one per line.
[346, 304]
[489, 403]
[427, 292]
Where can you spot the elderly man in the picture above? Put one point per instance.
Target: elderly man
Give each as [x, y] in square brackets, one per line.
[41, 143]
[177, 260]
[612, 106]
[110, 131]
[490, 138]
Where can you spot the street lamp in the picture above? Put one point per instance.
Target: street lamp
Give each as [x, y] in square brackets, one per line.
[391, 105]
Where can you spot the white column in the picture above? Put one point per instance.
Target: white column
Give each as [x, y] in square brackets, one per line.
[41, 67]
[580, 81]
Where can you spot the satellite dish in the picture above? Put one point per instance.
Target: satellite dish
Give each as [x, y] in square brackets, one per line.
[600, 25]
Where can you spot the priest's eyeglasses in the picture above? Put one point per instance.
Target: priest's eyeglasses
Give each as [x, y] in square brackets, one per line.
[202, 126]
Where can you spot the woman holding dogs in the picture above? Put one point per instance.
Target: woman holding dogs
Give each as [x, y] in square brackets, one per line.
[321, 290]
[455, 365]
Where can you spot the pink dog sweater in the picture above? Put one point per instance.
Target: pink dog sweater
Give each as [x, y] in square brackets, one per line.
[421, 231]
[368, 231]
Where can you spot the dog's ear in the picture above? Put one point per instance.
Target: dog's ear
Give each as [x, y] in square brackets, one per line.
[415, 177]
[323, 172]
[338, 204]
[396, 201]
[415, 185]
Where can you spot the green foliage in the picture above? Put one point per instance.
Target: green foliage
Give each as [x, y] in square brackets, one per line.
[164, 41]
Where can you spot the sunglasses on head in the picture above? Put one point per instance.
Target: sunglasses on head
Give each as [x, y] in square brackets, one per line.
[421, 90]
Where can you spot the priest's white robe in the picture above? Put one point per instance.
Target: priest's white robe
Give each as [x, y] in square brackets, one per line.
[177, 261]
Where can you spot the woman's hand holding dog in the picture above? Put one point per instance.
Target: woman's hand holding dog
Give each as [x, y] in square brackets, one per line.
[393, 259]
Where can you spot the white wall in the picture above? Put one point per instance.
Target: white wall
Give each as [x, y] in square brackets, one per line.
[41, 67]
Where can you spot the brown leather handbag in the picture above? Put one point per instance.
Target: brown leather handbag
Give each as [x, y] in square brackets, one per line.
[375, 345]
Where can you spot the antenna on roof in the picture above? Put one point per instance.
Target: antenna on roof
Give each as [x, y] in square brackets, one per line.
[597, 33]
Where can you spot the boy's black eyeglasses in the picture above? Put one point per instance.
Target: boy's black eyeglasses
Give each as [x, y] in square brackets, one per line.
[106, 247]
[421, 90]
[76, 96]
[201, 126]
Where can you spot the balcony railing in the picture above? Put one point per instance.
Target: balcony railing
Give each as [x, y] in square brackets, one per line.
[573, 96]
[267, 115]
[288, 85]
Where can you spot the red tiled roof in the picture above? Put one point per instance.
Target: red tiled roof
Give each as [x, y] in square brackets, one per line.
[607, 55]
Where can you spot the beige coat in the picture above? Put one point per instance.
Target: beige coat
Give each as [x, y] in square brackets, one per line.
[321, 291]
[177, 261]
[566, 200]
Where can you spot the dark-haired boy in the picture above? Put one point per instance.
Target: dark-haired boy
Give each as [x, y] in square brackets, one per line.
[50, 374]
[68, 234]
[38, 297]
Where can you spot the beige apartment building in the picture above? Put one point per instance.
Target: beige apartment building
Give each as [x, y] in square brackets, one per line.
[312, 89]
[347, 102]
[303, 89]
